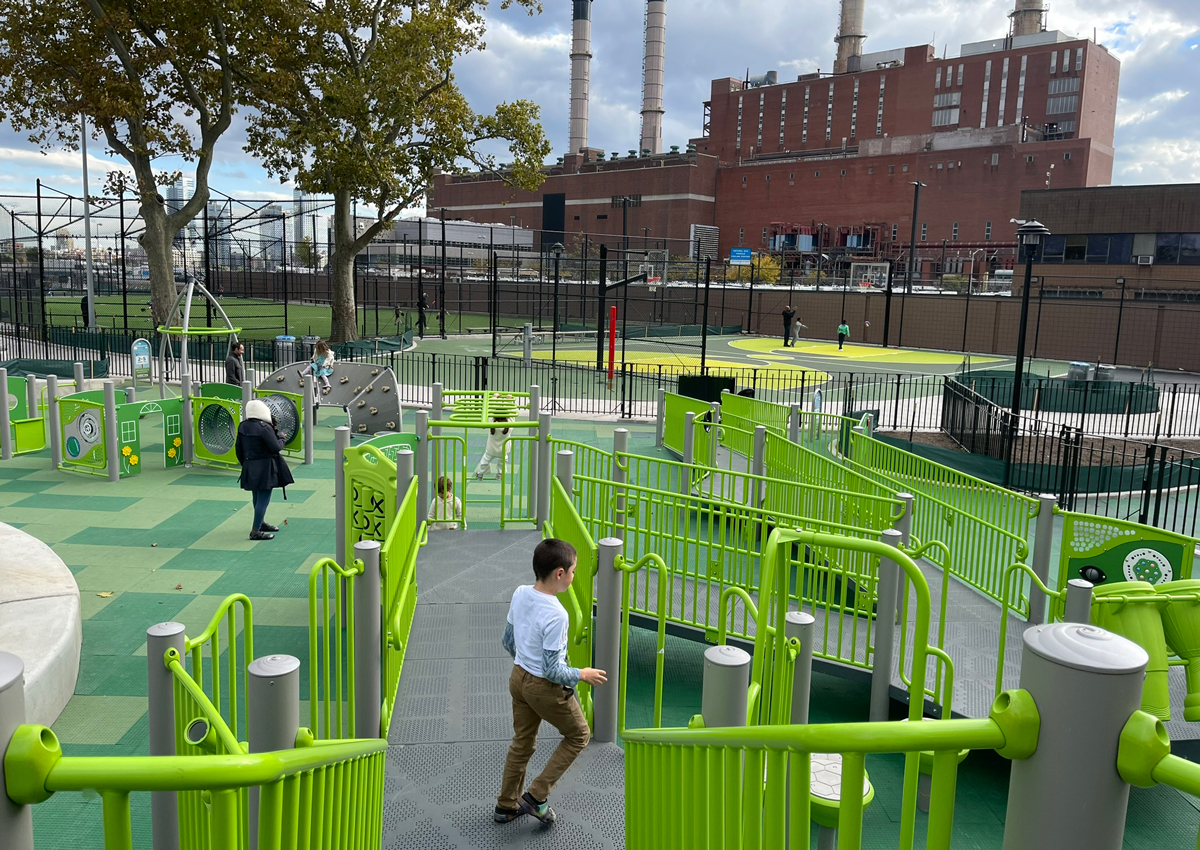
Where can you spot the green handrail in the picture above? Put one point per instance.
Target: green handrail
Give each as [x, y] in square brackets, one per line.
[627, 569]
[211, 636]
[328, 651]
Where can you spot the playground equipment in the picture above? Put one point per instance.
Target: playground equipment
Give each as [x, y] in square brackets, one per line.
[21, 431]
[1181, 627]
[365, 391]
[182, 308]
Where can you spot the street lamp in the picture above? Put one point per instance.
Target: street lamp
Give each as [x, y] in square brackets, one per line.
[557, 250]
[1030, 235]
[912, 256]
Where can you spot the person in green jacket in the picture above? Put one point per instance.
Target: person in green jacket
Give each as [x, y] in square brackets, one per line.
[843, 332]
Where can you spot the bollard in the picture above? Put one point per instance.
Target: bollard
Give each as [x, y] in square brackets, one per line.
[31, 397]
[799, 625]
[1079, 602]
[422, 462]
[689, 452]
[341, 442]
[1068, 794]
[620, 474]
[160, 688]
[535, 411]
[435, 414]
[758, 463]
[368, 643]
[247, 395]
[607, 698]
[543, 467]
[16, 822]
[112, 442]
[904, 526]
[185, 411]
[726, 684]
[77, 368]
[404, 477]
[6, 447]
[660, 418]
[794, 423]
[527, 338]
[53, 426]
[888, 588]
[1043, 543]
[309, 419]
[564, 470]
[272, 714]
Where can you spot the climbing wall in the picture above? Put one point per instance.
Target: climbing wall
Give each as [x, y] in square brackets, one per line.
[366, 392]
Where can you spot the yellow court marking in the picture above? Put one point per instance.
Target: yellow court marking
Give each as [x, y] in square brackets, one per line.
[854, 352]
[672, 363]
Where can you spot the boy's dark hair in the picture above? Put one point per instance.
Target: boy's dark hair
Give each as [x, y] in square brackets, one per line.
[444, 486]
[550, 555]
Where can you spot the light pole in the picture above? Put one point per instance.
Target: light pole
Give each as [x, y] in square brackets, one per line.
[821, 228]
[912, 257]
[1030, 235]
[1120, 314]
[442, 283]
[557, 250]
[967, 312]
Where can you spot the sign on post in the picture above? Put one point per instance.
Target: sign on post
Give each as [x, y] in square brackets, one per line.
[740, 256]
[140, 353]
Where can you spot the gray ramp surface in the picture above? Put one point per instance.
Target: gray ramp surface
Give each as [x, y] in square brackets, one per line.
[453, 720]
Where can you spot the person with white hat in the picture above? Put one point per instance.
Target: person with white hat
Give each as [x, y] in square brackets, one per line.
[259, 449]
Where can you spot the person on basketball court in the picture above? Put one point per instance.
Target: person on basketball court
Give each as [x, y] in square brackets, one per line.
[843, 332]
[789, 315]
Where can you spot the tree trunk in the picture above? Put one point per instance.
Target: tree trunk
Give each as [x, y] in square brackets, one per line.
[345, 314]
[157, 241]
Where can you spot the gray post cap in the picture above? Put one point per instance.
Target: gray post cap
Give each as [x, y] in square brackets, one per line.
[167, 629]
[726, 656]
[12, 669]
[1086, 648]
[799, 618]
[273, 666]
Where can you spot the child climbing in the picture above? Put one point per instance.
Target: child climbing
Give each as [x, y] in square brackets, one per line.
[321, 366]
[446, 510]
[497, 451]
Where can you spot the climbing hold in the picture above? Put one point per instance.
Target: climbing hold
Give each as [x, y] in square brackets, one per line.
[387, 388]
[361, 404]
[357, 390]
[374, 410]
[362, 429]
[344, 380]
[370, 388]
[374, 372]
[391, 426]
[279, 378]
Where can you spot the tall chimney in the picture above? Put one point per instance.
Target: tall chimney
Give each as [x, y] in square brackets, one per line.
[1027, 17]
[652, 75]
[581, 61]
[850, 37]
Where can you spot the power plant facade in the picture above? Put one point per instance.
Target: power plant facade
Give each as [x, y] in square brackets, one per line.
[835, 156]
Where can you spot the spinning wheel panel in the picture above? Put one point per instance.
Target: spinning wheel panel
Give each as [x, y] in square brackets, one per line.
[215, 430]
[287, 417]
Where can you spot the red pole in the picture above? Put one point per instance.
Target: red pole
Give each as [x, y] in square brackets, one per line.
[612, 341]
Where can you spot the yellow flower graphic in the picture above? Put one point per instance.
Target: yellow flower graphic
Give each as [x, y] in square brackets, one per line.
[170, 453]
[133, 461]
[127, 451]
[178, 442]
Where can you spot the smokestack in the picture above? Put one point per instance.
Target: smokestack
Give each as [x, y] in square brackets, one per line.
[850, 37]
[1027, 17]
[652, 75]
[581, 61]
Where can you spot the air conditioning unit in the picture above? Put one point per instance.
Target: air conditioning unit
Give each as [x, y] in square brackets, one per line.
[1145, 260]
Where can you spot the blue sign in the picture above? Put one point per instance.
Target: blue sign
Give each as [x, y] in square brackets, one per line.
[739, 256]
[140, 353]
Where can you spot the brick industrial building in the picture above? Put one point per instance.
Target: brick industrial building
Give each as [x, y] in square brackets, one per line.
[825, 163]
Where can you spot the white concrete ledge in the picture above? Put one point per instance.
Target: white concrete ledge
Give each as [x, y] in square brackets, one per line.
[39, 621]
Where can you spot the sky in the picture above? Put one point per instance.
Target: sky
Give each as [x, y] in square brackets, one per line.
[1157, 42]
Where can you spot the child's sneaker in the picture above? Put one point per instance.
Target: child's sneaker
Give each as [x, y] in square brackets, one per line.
[541, 811]
[478, 475]
[506, 815]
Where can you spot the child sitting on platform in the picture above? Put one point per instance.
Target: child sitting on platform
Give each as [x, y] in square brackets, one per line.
[446, 510]
[321, 366]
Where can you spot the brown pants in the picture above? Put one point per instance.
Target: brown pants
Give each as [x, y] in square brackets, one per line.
[535, 699]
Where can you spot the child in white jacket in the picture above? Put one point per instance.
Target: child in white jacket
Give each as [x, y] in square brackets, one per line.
[497, 451]
[446, 510]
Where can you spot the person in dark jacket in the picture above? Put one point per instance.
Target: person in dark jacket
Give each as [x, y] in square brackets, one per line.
[788, 316]
[263, 467]
[235, 370]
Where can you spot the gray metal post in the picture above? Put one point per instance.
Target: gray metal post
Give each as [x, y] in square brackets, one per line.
[660, 417]
[528, 340]
[714, 416]
[53, 426]
[1068, 794]
[422, 462]
[885, 631]
[726, 685]
[405, 463]
[535, 411]
[543, 483]
[620, 476]
[341, 442]
[160, 688]
[794, 423]
[799, 625]
[368, 643]
[6, 447]
[1043, 544]
[1079, 602]
[16, 822]
[247, 395]
[904, 526]
[564, 470]
[31, 397]
[309, 419]
[758, 463]
[185, 408]
[272, 713]
[606, 698]
[435, 413]
[689, 451]
[112, 441]
[77, 368]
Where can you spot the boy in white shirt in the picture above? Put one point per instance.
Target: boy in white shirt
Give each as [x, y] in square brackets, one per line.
[542, 685]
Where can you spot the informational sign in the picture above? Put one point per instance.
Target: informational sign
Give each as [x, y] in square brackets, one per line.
[816, 402]
[140, 352]
[739, 256]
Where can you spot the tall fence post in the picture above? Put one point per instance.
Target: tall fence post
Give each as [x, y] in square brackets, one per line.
[310, 420]
[160, 688]
[1043, 544]
[758, 463]
[272, 714]
[620, 475]
[660, 417]
[422, 461]
[404, 476]
[368, 643]
[799, 625]
[607, 698]
[1074, 671]
[564, 470]
[6, 447]
[16, 822]
[543, 483]
[714, 417]
[185, 417]
[885, 631]
[53, 426]
[435, 415]
[341, 442]
[794, 423]
[535, 412]
[527, 340]
[112, 439]
[724, 692]
[1079, 602]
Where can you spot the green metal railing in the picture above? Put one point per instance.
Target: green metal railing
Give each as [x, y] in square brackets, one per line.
[224, 697]
[398, 572]
[676, 406]
[330, 648]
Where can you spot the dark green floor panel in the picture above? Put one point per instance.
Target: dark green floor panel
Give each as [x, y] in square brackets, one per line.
[49, 502]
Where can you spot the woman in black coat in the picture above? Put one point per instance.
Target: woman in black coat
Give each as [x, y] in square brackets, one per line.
[263, 468]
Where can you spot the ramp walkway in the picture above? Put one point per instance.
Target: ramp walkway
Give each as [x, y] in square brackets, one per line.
[453, 720]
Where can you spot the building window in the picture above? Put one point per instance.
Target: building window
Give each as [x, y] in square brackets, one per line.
[950, 165]
[804, 125]
[995, 160]
[1063, 85]
[602, 217]
[891, 169]
[816, 174]
[829, 115]
[1079, 59]
[854, 111]
[739, 125]
[577, 218]
[1066, 60]
[764, 236]
[743, 180]
[946, 117]
[768, 178]
[1067, 155]
[741, 234]
[879, 113]
[1021, 87]
[1060, 105]
[954, 232]
[792, 176]
[1166, 248]
[939, 166]
[870, 169]
[950, 98]
[1097, 249]
[761, 101]
[1003, 92]
[1029, 157]
[960, 74]
[987, 231]
[782, 117]
[1189, 249]
[843, 172]
[937, 79]
[987, 84]
[924, 232]
[1054, 62]
[1076, 249]
[894, 227]
[904, 168]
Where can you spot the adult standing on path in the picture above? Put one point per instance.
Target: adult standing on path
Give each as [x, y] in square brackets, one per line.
[235, 368]
[789, 316]
[259, 450]
[843, 332]
[422, 306]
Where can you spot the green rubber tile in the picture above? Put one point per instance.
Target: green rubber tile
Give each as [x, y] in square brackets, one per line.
[92, 603]
[75, 821]
[110, 578]
[182, 529]
[207, 478]
[269, 611]
[141, 608]
[113, 676]
[131, 557]
[98, 719]
[55, 502]
[111, 637]
[217, 559]
[263, 581]
[194, 582]
[51, 534]
[28, 485]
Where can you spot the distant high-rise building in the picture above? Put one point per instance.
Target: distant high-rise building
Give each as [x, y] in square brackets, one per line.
[303, 206]
[178, 194]
[220, 239]
[272, 229]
